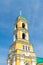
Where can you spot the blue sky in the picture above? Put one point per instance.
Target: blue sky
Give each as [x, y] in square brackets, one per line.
[32, 10]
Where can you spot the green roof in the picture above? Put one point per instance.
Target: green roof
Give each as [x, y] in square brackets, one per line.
[22, 17]
[39, 60]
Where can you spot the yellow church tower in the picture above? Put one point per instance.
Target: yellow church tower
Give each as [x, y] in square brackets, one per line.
[21, 51]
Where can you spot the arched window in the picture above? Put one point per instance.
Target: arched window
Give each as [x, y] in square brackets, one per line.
[23, 36]
[16, 25]
[26, 48]
[23, 25]
[16, 36]
[23, 47]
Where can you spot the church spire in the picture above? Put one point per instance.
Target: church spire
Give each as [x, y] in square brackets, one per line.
[21, 51]
[20, 12]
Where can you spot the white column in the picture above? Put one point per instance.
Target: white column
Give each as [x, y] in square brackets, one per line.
[13, 62]
[8, 62]
[14, 38]
[22, 61]
[26, 26]
[33, 62]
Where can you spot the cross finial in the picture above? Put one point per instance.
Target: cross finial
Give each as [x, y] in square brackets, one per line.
[20, 12]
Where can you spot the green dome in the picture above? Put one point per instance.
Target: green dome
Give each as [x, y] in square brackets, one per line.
[21, 17]
[39, 60]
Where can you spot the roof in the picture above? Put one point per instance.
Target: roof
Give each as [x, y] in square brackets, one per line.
[21, 17]
[39, 60]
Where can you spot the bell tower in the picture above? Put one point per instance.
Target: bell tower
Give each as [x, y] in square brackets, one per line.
[21, 51]
[21, 29]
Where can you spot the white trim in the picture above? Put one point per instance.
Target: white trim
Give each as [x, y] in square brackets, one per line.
[27, 36]
[13, 63]
[26, 26]
[8, 62]
[33, 62]
[14, 38]
[22, 62]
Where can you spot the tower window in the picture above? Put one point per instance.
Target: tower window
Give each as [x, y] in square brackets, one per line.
[16, 25]
[23, 46]
[16, 36]
[26, 48]
[23, 25]
[23, 36]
